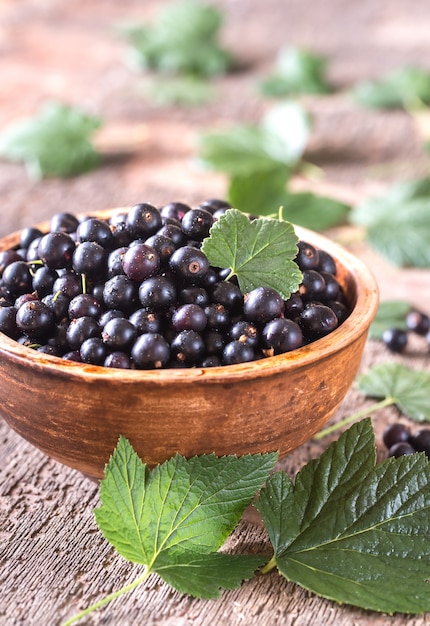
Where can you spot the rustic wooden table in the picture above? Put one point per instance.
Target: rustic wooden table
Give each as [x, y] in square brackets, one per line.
[53, 560]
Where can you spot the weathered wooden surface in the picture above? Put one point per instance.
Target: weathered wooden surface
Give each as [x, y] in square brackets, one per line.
[53, 560]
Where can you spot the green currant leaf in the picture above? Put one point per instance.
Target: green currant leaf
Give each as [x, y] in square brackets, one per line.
[259, 252]
[261, 192]
[371, 211]
[237, 152]
[397, 89]
[297, 71]
[314, 211]
[279, 140]
[181, 91]
[286, 129]
[56, 142]
[183, 39]
[348, 529]
[180, 512]
[398, 224]
[408, 389]
[390, 314]
[202, 576]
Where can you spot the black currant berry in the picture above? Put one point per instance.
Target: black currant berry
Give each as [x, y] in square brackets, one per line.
[84, 304]
[17, 278]
[144, 220]
[64, 222]
[119, 360]
[400, 449]
[119, 334]
[140, 262]
[395, 339]
[281, 335]
[93, 351]
[189, 317]
[395, 433]
[189, 264]
[197, 223]
[262, 304]
[307, 256]
[80, 329]
[229, 295]
[95, 230]
[120, 292]
[150, 351]
[90, 258]
[420, 440]
[56, 249]
[236, 352]
[317, 320]
[187, 347]
[246, 332]
[157, 293]
[418, 322]
[8, 324]
[35, 319]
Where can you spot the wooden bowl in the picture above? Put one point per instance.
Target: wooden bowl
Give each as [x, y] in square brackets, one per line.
[75, 413]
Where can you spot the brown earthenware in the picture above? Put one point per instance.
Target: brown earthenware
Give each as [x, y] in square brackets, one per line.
[75, 413]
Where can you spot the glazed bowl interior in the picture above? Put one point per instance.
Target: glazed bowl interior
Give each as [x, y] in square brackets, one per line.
[75, 412]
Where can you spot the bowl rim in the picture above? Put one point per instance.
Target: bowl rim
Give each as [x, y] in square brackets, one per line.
[355, 325]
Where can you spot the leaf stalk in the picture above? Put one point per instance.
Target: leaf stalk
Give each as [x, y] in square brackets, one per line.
[109, 598]
[269, 566]
[388, 401]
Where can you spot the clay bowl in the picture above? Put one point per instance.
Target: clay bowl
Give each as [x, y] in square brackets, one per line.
[75, 413]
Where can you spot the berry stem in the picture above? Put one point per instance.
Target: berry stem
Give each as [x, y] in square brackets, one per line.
[109, 598]
[388, 401]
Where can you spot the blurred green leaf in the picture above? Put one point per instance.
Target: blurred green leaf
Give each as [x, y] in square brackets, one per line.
[56, 142]
[409, 389]
[279, 140]
[399, 88]
[259, 193]
[398, 224]
[313, 211]
[369, 211]
[390, 314]
[181, 91]
[183, 39]
[297, 71]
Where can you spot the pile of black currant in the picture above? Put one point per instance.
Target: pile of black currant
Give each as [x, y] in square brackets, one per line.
[399, 440]
[136, 291]
[396, 339]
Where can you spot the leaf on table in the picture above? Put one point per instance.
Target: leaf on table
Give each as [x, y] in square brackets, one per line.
[352, 531]
[279, 140]
[400, 88]
[371, 211]
[56, 142]
[173, 518]
[202, 576]
[297, 71]
[259, 193]
[313, 211]
[180, 91]
[286, 129]
[409, 389]
[390, 314]
[183, 39]
[259, 252]
[239, 151]
[398, 224]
